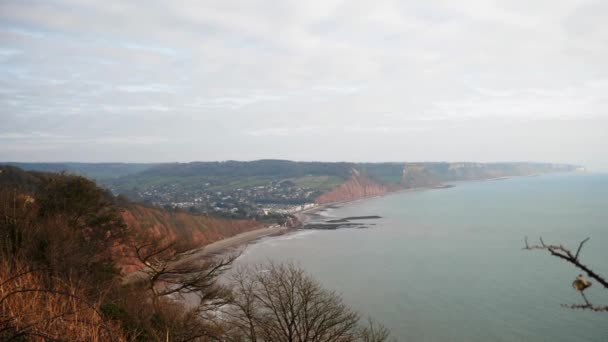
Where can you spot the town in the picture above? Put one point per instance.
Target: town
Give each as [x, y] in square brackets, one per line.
[273, 201]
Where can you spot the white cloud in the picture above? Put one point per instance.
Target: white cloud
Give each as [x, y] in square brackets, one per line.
[30, 135]
[276, 131]
[292, 70]
[131, 140]
[148, 88]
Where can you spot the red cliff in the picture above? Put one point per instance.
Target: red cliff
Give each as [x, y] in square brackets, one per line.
[195, 230]
[356, 187]
[198, 229]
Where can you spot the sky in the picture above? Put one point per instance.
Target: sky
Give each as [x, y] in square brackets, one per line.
[328, 80]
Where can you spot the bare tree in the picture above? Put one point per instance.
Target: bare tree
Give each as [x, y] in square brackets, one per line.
[374, 332]
[171, 269]
[280, 302]
[184, 289]
[580, 283]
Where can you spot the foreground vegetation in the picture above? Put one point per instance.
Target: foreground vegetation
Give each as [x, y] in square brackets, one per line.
[64, 249]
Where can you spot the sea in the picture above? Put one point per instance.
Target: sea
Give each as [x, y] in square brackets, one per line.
[448, 264]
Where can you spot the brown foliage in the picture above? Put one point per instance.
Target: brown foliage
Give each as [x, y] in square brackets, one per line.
[57, 249]
[37, 306]
[67, 227]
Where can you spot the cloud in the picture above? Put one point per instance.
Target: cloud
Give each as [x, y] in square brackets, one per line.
[29, 136]
[289, 72]
[148, 48]
[4, 53]
[131, 140]
[148, 88]
[233, 102]
[276, 132]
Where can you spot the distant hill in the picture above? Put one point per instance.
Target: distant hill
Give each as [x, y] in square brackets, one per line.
[97, 171]
[14, 178]
[257, 168]
[405, 174]
[239, 189]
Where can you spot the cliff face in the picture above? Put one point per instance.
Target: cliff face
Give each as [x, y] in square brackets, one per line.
[428, 174]
[198, 229]
[417, 175]
[356, 187]
[377, 179]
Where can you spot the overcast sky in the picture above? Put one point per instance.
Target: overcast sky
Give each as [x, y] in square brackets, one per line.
[327, 80]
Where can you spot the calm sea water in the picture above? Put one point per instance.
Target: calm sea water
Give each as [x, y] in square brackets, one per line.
[447, 264]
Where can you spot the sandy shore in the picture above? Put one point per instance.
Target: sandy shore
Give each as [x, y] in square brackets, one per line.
[235, 243]
[239, 240]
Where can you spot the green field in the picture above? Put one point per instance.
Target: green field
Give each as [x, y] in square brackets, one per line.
[321, 183]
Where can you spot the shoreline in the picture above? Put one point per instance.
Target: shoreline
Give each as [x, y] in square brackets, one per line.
[307, 215]
[241, 241]
[236, 242]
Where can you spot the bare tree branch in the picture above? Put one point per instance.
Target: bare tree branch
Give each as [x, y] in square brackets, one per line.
[565, 254]
[580, 246]
[587, 306]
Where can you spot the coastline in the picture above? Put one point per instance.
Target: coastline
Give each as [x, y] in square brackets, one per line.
[307, 215]
[240, 241]
[237, 242]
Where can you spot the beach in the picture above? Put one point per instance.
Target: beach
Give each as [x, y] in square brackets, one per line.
[237, 241]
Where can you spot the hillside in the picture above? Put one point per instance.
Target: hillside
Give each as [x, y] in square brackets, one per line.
[244, 190]
[198, 229]
[140, 220]
[220, 187]
[80, 264]
[96, 171]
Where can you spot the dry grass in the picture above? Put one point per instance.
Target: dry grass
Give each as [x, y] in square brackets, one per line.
[35, 306]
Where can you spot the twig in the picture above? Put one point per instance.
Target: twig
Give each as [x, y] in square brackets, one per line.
[585, 298]
[586, 307]
[580, 247]
[565, 254]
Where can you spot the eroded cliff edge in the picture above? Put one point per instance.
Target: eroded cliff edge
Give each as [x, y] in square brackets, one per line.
[357, 187]
[368, 180]
[198, 229]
